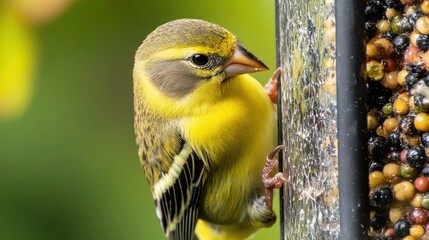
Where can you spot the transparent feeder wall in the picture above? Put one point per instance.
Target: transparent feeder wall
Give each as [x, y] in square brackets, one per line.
[324, 198]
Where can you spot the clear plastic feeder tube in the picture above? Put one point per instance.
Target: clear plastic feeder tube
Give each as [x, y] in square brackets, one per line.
[323, 119]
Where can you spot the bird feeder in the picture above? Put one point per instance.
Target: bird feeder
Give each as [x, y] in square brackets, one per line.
[322, 111]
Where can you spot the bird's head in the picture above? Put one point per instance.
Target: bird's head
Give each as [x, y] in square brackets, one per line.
[186, 63]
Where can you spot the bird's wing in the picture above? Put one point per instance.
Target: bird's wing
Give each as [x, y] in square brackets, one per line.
[175, 173]
[178, 196]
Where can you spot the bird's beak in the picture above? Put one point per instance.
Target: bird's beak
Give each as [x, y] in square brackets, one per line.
[242, 61]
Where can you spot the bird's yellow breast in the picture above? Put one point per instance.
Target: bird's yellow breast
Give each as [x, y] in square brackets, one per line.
[235, 135]
[243, 113]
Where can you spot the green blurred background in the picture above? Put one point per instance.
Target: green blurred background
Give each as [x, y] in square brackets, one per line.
[68, 160]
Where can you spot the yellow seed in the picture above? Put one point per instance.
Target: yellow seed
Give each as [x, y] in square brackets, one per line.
[376, 178]
[421, 122]
[417, 200]
[412, 140]
[391, 171]
[391, 12]
[413, 38]
[400, 106]
[422, 25]
[396, 213]
[401, 76]
[390, 124]
[381, 132]
[425, 6]
[417, 231]
[391, 80]
[404, 96]
[371, 214]
[404, 191]
[372, 122]
[371, 50]
[408, 10]
[384, 47]
[383, 25]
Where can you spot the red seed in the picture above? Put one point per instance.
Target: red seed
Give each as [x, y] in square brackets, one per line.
[407, 2]
[389, 65]
[390, 232]
[418, 216]
[422, 184]
[412, 55]
[403, 156]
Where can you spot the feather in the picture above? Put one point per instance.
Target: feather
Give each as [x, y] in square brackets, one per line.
[178, 194]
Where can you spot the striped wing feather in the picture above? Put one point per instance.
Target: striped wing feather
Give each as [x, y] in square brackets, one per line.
[177, 207]
[177, 190]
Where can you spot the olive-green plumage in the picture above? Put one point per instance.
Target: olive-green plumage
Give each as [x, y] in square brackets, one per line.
[203, 129]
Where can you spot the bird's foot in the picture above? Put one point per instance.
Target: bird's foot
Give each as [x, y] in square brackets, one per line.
[271, 86]
[271, 182]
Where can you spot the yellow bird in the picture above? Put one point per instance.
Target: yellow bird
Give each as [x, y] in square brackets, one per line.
[203, 129]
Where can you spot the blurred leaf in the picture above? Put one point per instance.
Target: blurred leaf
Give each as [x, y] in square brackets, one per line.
[40, 11]
[17, 63]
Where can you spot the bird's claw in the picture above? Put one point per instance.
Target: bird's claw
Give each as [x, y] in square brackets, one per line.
[276, 181]
[271, 182]
[270, 164]
[271, 86]
[271, 155]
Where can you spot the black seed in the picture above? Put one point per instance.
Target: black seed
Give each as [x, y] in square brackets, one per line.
[389, 35]
[423, 42]
[377, 147]
[374, 10]
[418, 100]
[400, 43]
[378, 95]
[416, 69]
[379, 116]
[394, 156]
[425, 139]
[405, 25]
[382, 196]
[416, 157]
[425, 171]
[407, 125]
[402, 228]
[377, 222]
[415, 16]
[370, 29]
[375, 166]
[411, 79]
[395, 139]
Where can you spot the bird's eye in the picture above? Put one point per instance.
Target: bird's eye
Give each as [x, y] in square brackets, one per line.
[199, 59]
